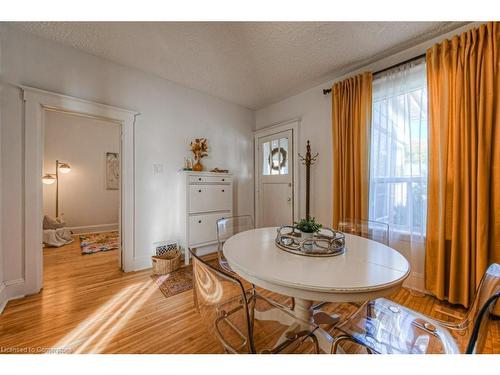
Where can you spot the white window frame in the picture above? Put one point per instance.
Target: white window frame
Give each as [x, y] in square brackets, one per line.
[408, 180]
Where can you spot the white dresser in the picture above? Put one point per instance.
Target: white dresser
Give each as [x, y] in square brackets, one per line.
[206, 198]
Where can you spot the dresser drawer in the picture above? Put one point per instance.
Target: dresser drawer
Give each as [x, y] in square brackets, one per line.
[208, 198]
[210, 179]
[203, 228]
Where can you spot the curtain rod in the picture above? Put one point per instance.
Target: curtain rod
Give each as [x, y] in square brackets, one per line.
[327, 91]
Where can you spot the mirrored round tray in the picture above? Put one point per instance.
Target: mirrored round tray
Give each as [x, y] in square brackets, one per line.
[325, 243]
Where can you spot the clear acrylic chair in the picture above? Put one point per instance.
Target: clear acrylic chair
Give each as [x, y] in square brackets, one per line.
[484, 320]
[228, 227]
[231, 314]
[385, 327]
[373, 230]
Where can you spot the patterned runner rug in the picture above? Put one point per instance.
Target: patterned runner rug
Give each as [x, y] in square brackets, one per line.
[95, 242]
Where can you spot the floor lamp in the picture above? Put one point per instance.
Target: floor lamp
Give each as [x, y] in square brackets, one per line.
[50, 178]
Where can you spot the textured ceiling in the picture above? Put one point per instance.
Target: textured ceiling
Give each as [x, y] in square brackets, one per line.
[250, 63]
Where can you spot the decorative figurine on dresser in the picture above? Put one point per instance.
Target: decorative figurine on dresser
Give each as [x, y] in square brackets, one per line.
[205, 198]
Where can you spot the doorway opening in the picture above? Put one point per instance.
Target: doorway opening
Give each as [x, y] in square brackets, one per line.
[81, 188]
[36, 103]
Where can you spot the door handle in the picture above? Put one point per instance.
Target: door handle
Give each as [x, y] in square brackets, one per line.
[289, 199]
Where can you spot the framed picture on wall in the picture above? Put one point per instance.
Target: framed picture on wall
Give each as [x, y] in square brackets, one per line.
[112, 171]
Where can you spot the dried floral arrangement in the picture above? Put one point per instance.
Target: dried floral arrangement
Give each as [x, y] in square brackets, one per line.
[199, 148]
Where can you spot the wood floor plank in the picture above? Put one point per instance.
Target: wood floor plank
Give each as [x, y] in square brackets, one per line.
[88, 305]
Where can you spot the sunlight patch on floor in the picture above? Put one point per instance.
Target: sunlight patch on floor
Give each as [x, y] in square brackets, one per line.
[96, 331]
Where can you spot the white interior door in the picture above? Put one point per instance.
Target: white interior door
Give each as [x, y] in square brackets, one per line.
[275, 186]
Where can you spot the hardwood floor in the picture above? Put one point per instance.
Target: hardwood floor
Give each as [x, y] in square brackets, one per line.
[89, 305]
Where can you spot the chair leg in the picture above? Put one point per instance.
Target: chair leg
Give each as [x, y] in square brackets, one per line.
[341, 338]
[316, 343]
[253, 302]
[337, 341]
[318, 305]
[195, 299]
[195, 296]
[293, 337]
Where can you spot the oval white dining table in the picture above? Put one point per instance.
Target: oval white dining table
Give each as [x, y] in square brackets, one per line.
[367, 270]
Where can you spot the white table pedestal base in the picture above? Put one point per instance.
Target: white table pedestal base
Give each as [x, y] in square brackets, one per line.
[303, 312]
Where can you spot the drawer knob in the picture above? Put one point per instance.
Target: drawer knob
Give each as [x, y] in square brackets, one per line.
[199, 221]
[199, 179]
[223, 190]
[199, 191]
[223, 179]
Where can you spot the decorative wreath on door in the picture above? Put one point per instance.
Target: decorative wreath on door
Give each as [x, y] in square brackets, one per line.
[281, 164]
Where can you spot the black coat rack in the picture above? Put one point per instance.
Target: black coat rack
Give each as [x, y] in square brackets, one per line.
[308, 160]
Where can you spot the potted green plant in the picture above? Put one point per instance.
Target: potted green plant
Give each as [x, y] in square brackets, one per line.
[308, 227]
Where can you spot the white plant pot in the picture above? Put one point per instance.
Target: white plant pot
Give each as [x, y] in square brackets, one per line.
[305, 235]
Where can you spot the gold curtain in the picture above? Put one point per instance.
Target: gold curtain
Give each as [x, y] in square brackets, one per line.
[351, 123]
[463, 224]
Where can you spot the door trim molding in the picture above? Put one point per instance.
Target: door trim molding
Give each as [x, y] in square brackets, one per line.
[37, 101]
[294, 126]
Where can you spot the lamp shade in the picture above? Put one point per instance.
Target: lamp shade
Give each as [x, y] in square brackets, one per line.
[64, 168]
[48, 179]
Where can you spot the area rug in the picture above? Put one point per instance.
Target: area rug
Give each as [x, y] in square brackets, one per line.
[178, 281]
[175, 282]
[96, 242]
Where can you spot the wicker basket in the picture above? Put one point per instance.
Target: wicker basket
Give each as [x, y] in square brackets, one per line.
[166, 263]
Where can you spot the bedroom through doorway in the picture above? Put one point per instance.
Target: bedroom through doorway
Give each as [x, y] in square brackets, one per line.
[81, 189]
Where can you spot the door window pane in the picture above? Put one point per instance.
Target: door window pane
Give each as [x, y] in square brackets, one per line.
[284, 156]
[266, 168]
[275, 157]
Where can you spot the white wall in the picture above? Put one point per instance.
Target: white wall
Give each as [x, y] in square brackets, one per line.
[315, 111]
[171, 116]
[82, 142]
[3, 292]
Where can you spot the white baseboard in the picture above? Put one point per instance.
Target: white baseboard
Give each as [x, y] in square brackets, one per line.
[205, 250]
[3, 297]
[416, 282]
[200, 250]
[142, 263]
[98, 228]
[15, 288]
[10, 290]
